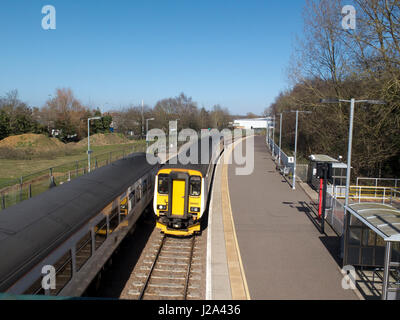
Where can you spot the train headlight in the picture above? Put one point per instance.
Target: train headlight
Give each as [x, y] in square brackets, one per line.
[161, 207]
[195, 209]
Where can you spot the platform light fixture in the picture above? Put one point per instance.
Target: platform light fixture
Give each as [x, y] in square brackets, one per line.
[147, 130]
[88, 140]
[295, 145]
[350, 142]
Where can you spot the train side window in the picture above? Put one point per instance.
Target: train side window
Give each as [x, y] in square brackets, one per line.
[132, 198]
[83, 250]
[113, 220]
[150, 184]
[195, 186]
[137, 192]
[35, 288]
[163, 182]
[63, 273]
[144, 186]
[101, 232]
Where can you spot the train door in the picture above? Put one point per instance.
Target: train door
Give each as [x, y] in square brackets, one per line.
[178, 197]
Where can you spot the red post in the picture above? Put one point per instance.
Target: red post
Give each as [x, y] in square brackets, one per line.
[321, 185]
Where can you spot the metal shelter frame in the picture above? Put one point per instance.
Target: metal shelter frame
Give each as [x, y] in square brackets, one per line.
[384, 221]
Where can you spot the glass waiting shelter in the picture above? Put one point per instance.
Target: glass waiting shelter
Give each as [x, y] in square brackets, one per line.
[372, 239]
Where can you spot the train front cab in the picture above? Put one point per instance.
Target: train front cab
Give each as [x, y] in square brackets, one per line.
[178, 204]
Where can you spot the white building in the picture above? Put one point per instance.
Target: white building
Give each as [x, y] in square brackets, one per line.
[255, 123]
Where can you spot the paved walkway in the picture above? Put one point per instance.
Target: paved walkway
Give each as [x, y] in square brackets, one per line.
[283, 254]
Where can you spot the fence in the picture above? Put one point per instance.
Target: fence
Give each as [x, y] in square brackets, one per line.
[285, 166]
[395, 198]
[386, 182]
[365, 193]
[334, 212]
[276, 152]
[15, 191]
[336, 194]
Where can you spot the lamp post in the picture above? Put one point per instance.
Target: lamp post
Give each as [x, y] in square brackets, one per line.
[88, 140]
[147, 130]
[295, 146]
[280, 139]
[350, 142]
[171, 134]
[295, 151]
[142, 119]
[273, 138]
[270, 131]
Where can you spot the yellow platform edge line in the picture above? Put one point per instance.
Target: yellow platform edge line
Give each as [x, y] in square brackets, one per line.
[243, 292]
[238, 249]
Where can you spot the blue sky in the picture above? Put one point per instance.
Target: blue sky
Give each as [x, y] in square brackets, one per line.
[113, 53]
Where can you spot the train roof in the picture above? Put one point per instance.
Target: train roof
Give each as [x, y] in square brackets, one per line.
[30, 230]
[212, 144]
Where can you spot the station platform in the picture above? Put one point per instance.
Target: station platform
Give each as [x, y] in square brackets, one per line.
[262, 242]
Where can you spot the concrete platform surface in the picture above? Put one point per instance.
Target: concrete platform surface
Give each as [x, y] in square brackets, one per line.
[284, 255]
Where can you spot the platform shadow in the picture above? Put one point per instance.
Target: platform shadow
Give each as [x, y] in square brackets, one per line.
[369, 289]
[310, 213]
[331, 243]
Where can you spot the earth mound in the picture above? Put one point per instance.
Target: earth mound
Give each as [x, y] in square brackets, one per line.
[101, 139]
[32, 141]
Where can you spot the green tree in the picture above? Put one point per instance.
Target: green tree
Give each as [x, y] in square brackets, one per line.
[4, 125]
[17, 115]
[101, 125]
[106, 120]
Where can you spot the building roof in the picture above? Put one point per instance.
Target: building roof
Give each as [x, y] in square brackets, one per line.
[339, 165]
[252, 119]
[322, 158]
[381, 218]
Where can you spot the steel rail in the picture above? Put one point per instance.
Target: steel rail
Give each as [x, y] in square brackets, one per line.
[152, 268]
[189, 268]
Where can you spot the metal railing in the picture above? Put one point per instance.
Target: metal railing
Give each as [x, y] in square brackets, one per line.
[387, 182]
[334, 213]
[365, 193]
[28, 186]
[286, 167]
[395, 198]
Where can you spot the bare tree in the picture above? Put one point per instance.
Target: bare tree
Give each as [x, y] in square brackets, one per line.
[65, 113]
[320, 53]
[363, 63]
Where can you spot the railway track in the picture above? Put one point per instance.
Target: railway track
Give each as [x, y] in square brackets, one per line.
[171, 269]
